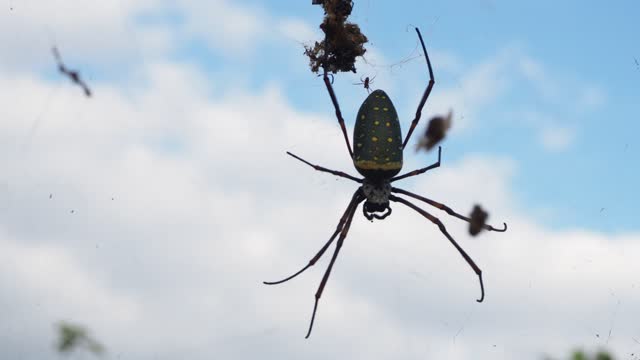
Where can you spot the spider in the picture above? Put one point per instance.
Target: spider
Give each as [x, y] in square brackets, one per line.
[378, 157]
[73, 75]
[366, 82]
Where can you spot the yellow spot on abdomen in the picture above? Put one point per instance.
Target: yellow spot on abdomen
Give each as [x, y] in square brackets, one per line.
[388, 124]
[374, 138]
[376, 122]
[359, 144]
[376, 108]
[389, 140]
[362, 117]
[385, 109]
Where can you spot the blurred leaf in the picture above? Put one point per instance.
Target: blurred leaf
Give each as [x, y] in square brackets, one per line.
[579, 355]
[72, 336]
[603, 356]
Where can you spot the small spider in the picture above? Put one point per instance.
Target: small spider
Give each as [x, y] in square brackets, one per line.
[377, 156]
[366, 82]
[71, 74]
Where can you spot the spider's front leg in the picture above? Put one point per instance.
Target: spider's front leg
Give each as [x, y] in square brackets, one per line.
[334, 100]
[425, 96]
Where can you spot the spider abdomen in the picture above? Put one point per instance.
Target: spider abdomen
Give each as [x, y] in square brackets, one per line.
[377, 138]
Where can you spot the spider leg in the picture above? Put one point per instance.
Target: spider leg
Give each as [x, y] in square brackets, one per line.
[85, 88]
[331, 77]
[437, 221]
[427, 91]
[355, 200]
[332, 94]
[56, 55]
[323, 169]
[445, 208]
[343, 235]
[420, 171]
[338, 112]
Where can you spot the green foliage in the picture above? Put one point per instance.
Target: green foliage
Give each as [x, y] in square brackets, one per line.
[581, 355]
[600, 355]
[71, 337]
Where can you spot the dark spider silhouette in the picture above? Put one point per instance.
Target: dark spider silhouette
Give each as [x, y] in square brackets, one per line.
[366, 82]
[377, 120]
[71, 74]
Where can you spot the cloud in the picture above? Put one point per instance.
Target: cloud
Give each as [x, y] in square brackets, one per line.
[103, 33]
[592, 97]
[299, 30]
[185, 201]
[223, 24]
[179, 255]
[537, 75]
[557, 138]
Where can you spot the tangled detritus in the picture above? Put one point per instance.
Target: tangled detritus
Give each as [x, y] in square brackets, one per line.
[343, 43]
[478, 220]
[436, 131]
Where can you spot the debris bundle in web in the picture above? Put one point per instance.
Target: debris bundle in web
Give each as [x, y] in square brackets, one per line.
[343, 43]
[436, 131]
[478, 220]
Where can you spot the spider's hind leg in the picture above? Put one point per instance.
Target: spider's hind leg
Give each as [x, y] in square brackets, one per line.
[355, 200]
[440, 225]
[446, 209]
[325, 278]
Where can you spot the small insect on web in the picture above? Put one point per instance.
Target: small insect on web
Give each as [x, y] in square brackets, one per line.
[71, 74]
[377, 156]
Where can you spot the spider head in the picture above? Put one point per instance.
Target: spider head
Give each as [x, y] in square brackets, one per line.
[377, 195]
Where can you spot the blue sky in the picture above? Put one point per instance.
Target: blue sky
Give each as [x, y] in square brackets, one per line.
[584, 91]
[153, 211]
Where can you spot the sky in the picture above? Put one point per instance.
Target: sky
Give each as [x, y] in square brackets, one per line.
[152, 211]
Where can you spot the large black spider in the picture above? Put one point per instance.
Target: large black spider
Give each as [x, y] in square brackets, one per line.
[378, 157]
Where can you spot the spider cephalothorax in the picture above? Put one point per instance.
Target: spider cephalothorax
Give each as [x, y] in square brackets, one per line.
[377, 155]
[377, 199]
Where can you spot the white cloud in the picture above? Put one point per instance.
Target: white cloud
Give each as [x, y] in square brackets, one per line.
[537, 75]
[184, 203]
[479, 86]
[299, 31]
[592, 97]
[557, 138]
[224, 24]
[193, 231]
[102, 32]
